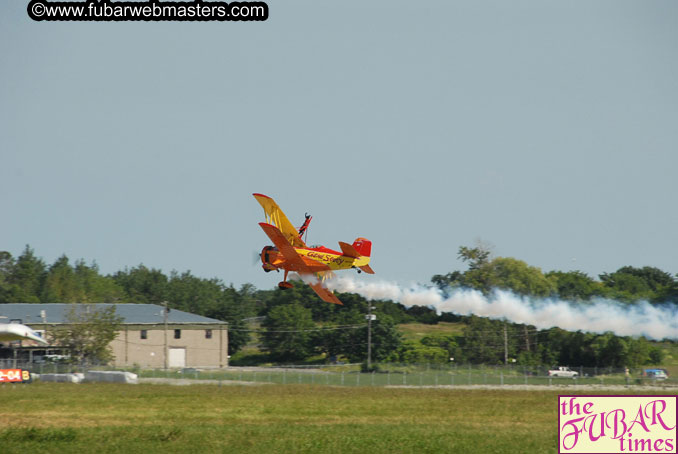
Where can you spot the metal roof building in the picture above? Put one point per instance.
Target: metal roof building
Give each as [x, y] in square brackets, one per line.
[145, 339]
[55, 313]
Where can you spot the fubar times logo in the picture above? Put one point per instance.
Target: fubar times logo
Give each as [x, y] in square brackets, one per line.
[604, 424]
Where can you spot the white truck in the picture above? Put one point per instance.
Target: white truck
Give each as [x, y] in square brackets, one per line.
[563, 372]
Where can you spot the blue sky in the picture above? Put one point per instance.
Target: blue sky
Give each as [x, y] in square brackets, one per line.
[547, 129]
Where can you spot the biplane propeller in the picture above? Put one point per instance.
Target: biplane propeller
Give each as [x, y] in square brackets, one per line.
[313, 264]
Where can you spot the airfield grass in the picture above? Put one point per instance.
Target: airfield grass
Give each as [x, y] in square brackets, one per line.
[64, 418]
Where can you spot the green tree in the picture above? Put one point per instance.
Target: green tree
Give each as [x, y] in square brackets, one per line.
[344, 336]
[483, 342]
[88, 332]
[412, 352]
[95, 287]
[193, 294]
[631, 284]
[500, 273]
[638, 352]
[386, 339]
[669, 293]
[6, 266]
[476, 257]
[616, 352]
[423, 314]
[626, 287]
[445, 341]
[352, 342]
[575, 285]
[26, 278]
[60, 284]
[510, 274]
[303, 295]
[143, 285]
[234, 306]
[655, 355]
[288, 333]
[653, 277]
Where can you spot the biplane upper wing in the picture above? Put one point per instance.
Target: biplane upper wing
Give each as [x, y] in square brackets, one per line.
[275, 216]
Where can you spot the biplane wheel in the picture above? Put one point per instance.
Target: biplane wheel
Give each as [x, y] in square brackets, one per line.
[285, 285]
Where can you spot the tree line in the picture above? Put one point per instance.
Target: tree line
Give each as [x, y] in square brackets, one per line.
[297, 325]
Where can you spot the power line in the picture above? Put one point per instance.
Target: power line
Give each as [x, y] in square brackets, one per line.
[330, 328]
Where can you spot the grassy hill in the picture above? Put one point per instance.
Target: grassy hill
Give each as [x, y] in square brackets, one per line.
[417, 331]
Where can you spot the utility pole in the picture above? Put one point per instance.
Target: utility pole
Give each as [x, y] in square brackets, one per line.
[370, 317]
[527, 338]
[505, 345]
[164, 312]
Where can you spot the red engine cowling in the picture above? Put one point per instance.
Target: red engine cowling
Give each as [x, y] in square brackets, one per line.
[268, 256]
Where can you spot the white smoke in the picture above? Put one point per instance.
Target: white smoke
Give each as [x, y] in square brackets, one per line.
[598, 316]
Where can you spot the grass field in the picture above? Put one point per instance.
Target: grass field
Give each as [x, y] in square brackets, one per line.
[65, 418]
[416, 331]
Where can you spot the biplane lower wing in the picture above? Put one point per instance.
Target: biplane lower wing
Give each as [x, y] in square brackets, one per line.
[295, 261]
[325, 294]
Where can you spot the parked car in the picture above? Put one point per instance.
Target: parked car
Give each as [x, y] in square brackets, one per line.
[656, 374]
[563, 372]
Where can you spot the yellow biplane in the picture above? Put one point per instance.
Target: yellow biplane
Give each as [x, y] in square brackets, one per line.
[315, 263]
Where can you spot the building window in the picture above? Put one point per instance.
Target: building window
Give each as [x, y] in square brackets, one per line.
[208, 334]
[144, 334]
[177, 334]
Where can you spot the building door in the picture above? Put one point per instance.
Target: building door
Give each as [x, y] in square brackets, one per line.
[177, 357]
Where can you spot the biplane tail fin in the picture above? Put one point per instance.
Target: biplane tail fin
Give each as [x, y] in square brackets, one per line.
[361, 250]
[363, 246]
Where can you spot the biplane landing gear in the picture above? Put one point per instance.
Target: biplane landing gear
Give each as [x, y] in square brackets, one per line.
[284, 284]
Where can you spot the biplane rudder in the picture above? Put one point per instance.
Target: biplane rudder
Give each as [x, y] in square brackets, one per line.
[363, 246]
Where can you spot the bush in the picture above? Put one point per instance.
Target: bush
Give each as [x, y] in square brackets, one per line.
[414, 353]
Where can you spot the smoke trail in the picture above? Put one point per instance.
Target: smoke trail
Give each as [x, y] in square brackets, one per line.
[642, 319]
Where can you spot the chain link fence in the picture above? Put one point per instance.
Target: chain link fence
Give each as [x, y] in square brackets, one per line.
[382, 375]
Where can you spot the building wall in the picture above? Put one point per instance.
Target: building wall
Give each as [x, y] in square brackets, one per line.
[130, 349]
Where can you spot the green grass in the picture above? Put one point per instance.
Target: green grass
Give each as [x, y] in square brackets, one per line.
[68, 418]
[416, 331]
